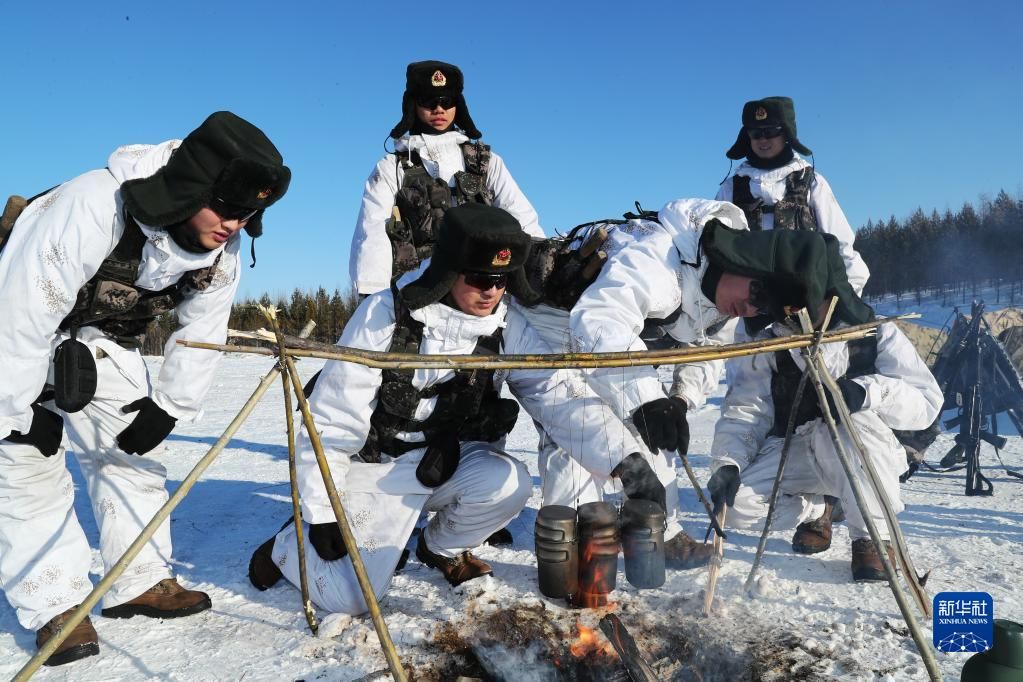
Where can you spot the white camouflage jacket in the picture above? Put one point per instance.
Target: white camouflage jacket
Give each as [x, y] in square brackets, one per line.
[769, 185]
[903, 393]
[370, 259]
[653, 270]
[346, 395]
[58, 244]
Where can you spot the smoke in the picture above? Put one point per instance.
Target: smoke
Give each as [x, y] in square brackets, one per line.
[529, 664]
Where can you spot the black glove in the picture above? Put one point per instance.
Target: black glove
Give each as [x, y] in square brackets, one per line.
[494, 421]
[723, 485]
[440, 459]
[639, 481]
[853, 394]
[327, 541]
[662, 424]
[147, 430]
[45, 432]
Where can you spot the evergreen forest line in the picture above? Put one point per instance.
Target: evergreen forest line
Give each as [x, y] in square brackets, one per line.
[952, 255]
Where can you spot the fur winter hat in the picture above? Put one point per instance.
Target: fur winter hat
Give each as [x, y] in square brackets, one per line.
[434, 79]
[473, 238]
[227, 159]
[799, 268]
[767, 113]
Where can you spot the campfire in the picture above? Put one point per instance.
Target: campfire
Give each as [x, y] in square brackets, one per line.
[532, 642]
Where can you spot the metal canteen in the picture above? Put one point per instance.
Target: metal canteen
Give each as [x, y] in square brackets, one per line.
[642, 526]
[557, 551]
[598, 553]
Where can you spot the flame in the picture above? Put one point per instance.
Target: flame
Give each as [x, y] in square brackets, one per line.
[588, 642]
[594, 587]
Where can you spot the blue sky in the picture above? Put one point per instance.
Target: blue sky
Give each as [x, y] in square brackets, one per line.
[592, 105]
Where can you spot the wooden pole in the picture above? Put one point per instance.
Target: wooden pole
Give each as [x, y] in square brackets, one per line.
[386, 360]
[699, 494]
[715, 563]
[816, 368]
[296, 507]
[917, 589]
[393, 662]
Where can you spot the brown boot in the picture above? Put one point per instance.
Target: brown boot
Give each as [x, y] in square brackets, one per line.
[263, 572]
[682, 552]
[812, 537]
[82, 641]
[866, 562]
[456, 569]
[165, 599]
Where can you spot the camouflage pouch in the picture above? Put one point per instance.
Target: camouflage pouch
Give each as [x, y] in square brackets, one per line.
[574, 270]
[112, 298]
[399, 399]
[471, 188]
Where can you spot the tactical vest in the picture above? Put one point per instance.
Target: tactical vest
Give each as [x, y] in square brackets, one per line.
[422, 200]
[560, 273]
[112, 302]
[791, 213]
[463, 402]
[785, 381]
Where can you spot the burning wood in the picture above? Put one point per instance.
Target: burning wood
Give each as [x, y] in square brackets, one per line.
[639, 670]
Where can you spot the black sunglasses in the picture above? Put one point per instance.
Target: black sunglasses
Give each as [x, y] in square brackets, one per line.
[484, 282]
[230, 211]
[765, 133]
[759, 297]
[443, 102]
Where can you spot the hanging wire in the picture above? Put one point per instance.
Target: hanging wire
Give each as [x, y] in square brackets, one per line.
[728, 173]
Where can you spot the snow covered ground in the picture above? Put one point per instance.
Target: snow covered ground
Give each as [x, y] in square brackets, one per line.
[807, 622]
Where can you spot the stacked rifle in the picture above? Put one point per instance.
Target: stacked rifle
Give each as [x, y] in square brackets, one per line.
[980, 382]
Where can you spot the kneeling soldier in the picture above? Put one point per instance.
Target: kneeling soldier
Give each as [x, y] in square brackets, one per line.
[886, 386]
[402, 441]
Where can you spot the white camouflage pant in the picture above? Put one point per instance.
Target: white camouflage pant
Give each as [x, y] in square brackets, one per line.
[563, 479]
[488, 489]
[44, 555]
[813, 470]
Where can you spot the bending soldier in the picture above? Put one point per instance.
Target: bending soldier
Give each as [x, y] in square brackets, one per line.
[88, 265]
[400, 442]
[886, 386]
[438, 162]
[664, 284]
